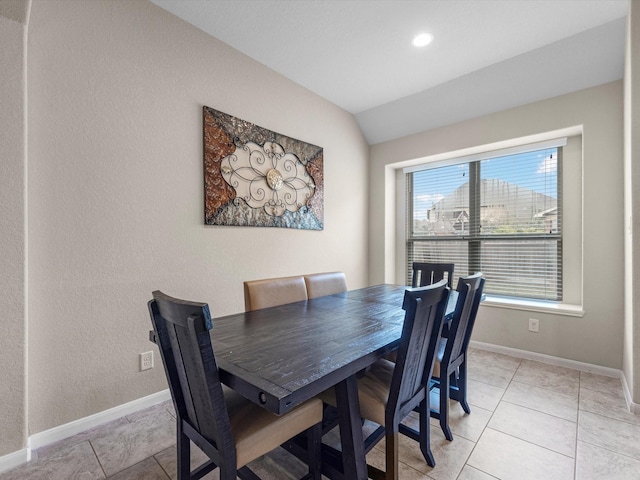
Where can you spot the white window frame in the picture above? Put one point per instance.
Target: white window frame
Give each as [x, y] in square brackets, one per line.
[572, 303]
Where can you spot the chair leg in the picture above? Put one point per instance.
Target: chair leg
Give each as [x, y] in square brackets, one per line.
[392, 467]
[244, 473]
[462, 387]
[314, 451]
[425, 433]
[444, 406]
[183, 447]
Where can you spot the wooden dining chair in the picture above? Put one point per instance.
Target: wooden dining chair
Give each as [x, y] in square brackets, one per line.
[426, 273]
[388, 391]
[326, 283]
[229, 429]
[450, 369]
[270, 292]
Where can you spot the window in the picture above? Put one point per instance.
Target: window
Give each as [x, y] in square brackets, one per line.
[500, 214]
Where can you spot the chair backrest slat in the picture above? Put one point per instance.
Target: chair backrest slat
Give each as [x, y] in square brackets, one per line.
[469, 296]
[427, 273]
[425, 309]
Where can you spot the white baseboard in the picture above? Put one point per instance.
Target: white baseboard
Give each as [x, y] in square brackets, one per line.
[633, 407]
[12, 460]
[72, 428]
[61, 432]
[563, 362]
[542, 358]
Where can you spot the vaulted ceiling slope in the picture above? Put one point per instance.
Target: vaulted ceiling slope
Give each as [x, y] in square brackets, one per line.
[486, 56]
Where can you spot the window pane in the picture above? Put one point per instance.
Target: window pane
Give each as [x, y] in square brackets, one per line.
[518, 194]
[522, 268]
[501, 216]
[455, 251]
[441, 201]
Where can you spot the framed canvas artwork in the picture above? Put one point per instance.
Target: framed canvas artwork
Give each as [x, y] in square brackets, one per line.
[259, 178]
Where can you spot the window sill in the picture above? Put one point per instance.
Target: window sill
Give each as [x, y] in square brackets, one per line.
[534, 306]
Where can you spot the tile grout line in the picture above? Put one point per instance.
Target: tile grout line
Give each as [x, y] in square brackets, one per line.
[540, 411]
[475, 444]
[97, 458]
[575, 463]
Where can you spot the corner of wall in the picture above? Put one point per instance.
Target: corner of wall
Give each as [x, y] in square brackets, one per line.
[13, 347]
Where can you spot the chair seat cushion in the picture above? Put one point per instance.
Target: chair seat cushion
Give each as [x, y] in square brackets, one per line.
[373, 391]
[439, 356]
[257, 431]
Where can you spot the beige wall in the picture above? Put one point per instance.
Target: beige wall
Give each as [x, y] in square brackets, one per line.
[114, 200]
[13, 131]
[597, 336]
[116, 91]
[632, 203]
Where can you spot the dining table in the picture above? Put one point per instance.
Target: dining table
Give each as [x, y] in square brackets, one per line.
[279, 357]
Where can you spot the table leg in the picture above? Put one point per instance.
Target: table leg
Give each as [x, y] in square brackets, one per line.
[353, 457]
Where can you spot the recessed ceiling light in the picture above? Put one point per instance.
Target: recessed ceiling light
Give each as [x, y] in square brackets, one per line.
[422, 39]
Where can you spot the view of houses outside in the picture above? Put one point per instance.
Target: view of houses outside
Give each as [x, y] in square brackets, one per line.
[505, 208]
[517, 242]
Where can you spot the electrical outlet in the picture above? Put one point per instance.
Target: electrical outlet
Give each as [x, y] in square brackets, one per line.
[146, 361]
[534, 325]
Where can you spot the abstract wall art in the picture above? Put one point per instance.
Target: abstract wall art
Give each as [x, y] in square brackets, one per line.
[256, 177]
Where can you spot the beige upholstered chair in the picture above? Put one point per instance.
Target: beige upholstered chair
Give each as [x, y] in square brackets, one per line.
[271, 292]
[231, 430]
[322, 284]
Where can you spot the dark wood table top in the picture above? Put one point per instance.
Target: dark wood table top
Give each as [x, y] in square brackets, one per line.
[281, 356]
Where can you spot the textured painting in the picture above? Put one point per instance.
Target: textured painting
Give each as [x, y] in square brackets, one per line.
[259, 178]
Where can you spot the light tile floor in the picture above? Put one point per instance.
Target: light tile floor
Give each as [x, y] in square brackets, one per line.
[528, 420]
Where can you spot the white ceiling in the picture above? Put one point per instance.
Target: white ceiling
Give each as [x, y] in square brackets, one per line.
[487, 55]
